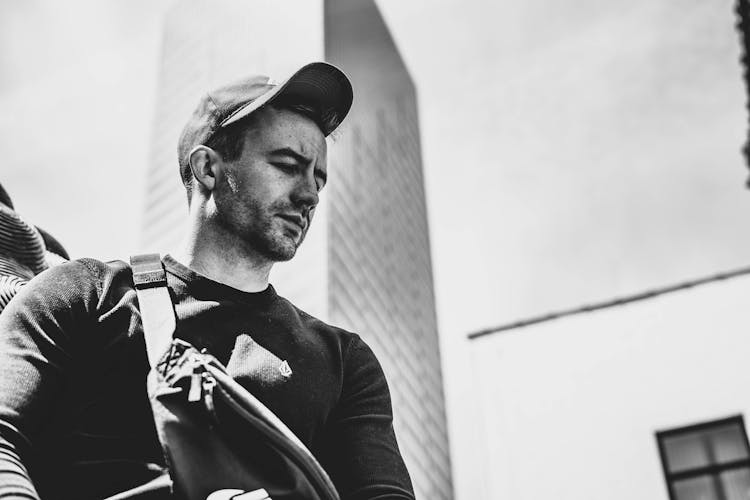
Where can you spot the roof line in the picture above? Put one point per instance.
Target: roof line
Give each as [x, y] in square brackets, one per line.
[586, 308]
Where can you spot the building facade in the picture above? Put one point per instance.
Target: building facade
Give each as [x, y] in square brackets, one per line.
[380, 271]
[629, 399]
[365, 264]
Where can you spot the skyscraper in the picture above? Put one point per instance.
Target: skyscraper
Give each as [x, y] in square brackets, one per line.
[365, 264]
[380, 271]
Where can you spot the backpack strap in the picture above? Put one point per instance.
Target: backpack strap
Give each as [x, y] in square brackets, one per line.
[155, 304]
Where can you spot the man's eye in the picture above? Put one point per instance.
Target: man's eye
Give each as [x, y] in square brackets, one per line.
[285, 166]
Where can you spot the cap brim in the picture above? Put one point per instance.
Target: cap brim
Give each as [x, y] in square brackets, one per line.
[320, 85]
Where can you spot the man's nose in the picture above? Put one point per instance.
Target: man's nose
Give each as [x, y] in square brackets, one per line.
[306, 192]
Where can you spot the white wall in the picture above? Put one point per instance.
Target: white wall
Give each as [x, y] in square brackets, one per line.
[569, 408]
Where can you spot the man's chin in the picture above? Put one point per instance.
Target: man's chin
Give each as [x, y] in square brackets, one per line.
[283, 256]
[282, 251]
[278, 245]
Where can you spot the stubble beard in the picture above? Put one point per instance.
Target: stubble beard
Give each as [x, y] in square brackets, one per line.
[266, 235]
[274, 243]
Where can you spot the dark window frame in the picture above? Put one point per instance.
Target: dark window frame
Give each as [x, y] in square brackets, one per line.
[712, 470]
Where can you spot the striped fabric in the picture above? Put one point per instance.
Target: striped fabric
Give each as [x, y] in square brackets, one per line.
[21, 242]
[9, 286]
[22, 253]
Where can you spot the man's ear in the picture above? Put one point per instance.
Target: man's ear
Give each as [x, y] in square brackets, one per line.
[204, 162]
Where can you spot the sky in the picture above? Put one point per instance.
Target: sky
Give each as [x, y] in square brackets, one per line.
[573, 151]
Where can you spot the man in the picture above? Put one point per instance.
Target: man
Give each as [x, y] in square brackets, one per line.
[74, 418]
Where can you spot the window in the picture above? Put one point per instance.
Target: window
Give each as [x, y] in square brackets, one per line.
[709, 461]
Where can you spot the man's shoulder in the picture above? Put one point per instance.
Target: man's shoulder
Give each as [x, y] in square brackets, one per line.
[83, 279]
[71, 298]
[95, 271]
[99, 268]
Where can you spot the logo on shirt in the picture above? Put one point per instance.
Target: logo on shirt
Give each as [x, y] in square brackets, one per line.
[285, 369]
[255, 367]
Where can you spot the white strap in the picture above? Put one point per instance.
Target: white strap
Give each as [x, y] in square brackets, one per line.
[155, 304]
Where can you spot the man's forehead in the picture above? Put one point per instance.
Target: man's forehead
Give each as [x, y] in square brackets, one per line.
[279, 128]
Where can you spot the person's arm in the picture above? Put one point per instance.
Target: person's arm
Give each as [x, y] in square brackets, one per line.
[35, 351]
[361, 453]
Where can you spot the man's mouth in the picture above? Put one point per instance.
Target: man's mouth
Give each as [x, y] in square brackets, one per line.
[295, 219]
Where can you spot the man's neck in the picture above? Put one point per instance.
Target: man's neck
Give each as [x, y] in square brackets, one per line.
[224, 263]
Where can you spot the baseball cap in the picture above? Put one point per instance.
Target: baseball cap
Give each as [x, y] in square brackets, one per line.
[320, 85]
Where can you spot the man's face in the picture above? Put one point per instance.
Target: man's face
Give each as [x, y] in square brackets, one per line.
[267, 196]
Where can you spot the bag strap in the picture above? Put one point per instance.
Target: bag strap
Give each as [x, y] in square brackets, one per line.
[155, 304]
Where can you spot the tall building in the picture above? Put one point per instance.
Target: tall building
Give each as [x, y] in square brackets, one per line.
[365, 264]
[380, 272]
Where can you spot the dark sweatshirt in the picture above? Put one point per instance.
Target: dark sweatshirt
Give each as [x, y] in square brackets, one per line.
[75, 421]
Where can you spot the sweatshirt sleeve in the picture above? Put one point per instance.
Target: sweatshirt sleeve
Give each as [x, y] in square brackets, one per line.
[35, 352]
[363, 456]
